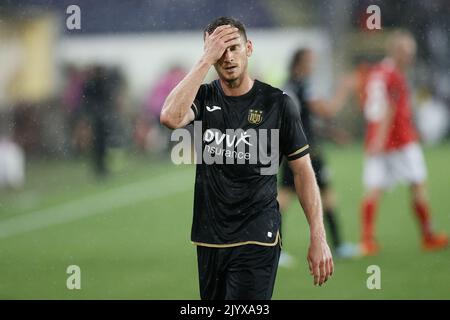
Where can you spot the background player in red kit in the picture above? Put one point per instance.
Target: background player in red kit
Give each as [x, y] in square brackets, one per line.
[393, 153]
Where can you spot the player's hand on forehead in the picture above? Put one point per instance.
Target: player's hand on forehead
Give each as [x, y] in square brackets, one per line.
[223, 28]
[219, 40]
[225, 33]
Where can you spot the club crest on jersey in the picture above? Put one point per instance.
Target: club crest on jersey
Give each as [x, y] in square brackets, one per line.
[255, 116]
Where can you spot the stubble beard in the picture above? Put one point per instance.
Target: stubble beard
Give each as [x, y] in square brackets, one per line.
[235, 82]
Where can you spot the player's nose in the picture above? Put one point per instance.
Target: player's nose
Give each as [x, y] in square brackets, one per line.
[228, 55]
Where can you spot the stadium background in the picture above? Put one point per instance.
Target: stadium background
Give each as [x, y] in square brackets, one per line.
[128, 230]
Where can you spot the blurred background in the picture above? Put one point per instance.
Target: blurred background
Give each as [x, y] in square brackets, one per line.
[85, 172]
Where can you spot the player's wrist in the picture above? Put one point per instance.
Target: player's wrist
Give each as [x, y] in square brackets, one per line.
[317, 234]
[206, 61]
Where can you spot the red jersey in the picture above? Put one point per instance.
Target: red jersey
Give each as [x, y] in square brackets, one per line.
[386, 87]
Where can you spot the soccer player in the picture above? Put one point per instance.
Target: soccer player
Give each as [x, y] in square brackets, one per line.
[236, 218]
[393, 153]
[299, 88]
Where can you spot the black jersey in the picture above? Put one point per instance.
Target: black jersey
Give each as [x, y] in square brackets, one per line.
[236, 203]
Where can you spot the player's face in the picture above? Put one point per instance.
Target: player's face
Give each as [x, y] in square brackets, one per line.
[308, 63]
[232, 66]
[409, 51]
[406, 51]
[305, 65]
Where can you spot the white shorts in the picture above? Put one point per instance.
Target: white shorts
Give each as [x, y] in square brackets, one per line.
[405, 165]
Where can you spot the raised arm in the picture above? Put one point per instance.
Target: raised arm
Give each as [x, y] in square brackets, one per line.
[177, 112]
[329, 108]
[319, 257]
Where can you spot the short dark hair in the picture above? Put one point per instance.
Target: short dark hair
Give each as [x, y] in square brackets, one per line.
[221, 21]
[297, 57]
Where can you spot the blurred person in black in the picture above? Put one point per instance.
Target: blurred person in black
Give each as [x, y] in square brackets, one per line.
[150, 134]
[236, 215]
[298, 87]
[72, 100]
[117, 98]
[97, 106]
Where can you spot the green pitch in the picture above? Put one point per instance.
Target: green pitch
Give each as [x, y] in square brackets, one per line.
[130, 235]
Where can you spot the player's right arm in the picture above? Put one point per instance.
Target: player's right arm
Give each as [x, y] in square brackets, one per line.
[329, 108]
[176, 111]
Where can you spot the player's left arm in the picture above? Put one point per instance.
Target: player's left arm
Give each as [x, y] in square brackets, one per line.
[319, 258]
[294, 146]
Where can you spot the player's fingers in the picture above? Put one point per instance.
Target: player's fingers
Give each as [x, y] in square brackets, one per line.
[233, 42]
[316, 270]
[231, 36]
[331, 266]
[219, 29]
[227, 32]
[328, 269]
[310, 265]
[323, 272]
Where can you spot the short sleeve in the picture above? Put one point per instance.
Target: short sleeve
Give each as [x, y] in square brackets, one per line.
[293, 142]
[393, 89]
[199, 102]
[290, 91]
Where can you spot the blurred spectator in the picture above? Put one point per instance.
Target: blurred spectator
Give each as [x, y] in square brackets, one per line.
[72, 102]
[97, 106]
[115, 87]
[72, 95]
[117, 138]
[12, 156]
[432, 117]
[12, 164]
[102, 102]
[149, 134]
[161, 90]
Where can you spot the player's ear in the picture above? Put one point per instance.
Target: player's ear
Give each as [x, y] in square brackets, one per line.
[249, 46]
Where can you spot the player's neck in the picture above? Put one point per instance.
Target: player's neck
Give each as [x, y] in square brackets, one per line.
[237, 89]
[398, 65]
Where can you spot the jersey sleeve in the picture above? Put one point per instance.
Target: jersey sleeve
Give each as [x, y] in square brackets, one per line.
[393, 88]
[199, 102]
[293, 142]
[290, 91]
